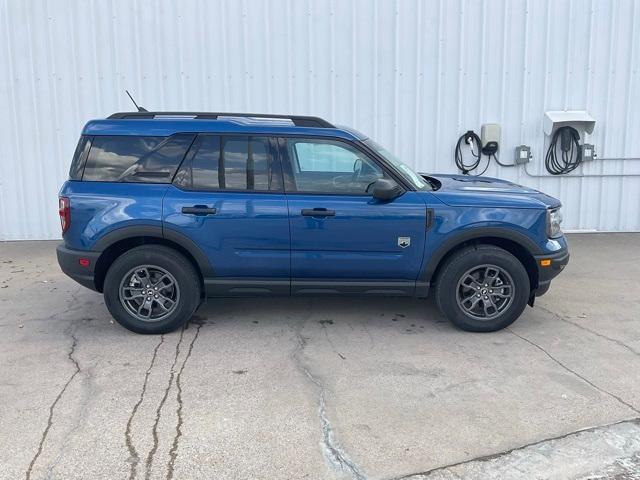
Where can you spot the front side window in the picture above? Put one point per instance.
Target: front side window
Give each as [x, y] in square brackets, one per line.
[124, 158]
[331, 167]
[231, 163]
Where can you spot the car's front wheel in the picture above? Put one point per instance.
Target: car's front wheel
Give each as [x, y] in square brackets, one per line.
[152, 289]
[482, 288]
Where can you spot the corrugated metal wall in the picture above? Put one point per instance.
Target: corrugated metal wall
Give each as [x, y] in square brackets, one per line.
[413, 74]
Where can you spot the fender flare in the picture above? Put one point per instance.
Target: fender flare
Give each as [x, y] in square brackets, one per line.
[473, 234]
[156, 231]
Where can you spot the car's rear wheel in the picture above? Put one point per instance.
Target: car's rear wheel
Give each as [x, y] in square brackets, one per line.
[482, 288]
[152, 289]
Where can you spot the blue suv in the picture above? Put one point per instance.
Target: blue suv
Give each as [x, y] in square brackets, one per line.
[162, 210]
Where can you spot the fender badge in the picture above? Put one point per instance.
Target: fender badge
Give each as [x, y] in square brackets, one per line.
[404, 242]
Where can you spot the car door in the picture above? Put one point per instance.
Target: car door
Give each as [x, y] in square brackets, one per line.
[228, 199]
[342, 239]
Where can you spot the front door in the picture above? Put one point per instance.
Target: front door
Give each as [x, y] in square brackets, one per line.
[342, 239]
[228, 198]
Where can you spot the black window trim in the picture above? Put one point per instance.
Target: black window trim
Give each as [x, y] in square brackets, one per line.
[287, 167]
[193, 149]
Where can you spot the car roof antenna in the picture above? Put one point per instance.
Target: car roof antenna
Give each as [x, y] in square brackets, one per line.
[140, 109]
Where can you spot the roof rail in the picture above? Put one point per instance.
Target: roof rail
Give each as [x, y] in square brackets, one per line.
[298, 120]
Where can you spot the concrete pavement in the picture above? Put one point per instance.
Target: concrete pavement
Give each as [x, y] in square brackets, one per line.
[322, 388]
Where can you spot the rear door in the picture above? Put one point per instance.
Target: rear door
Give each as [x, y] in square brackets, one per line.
[342, 239]
[228, 198]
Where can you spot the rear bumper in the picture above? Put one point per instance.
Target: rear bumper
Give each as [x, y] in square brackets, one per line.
[69, 261]
[558, 260]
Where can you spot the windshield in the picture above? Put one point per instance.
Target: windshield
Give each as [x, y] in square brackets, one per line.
[402, 168]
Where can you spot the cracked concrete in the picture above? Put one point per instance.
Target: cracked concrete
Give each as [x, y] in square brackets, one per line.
[336, 457]
[52, 407]
[603, 449]
[134, 456]
[322, 388]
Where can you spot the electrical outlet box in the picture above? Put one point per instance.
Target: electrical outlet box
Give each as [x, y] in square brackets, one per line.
[588, 152]
[523, 154]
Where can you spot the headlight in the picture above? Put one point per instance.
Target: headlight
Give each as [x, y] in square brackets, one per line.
[554, 223]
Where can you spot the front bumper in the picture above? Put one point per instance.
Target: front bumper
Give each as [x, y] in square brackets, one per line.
[557, 261]
[70, 263]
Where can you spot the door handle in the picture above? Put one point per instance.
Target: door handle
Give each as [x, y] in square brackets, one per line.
[317, 212]
[199, 210]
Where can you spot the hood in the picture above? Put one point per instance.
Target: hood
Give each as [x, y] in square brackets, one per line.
[466, 190]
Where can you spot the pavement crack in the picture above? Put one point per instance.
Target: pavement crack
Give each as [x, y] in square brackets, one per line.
[337, 457]
[593, 332]
[573, 372]
[173, 453]
[135, 458]
[333, 347]
[493, 456]
[79, 420]
[52, 407]
[152, 452]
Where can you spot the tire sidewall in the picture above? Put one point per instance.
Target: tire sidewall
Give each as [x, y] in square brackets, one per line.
[176, 264]
[448, 285]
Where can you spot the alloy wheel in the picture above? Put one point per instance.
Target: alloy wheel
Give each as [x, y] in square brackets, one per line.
[149, 293]
[485, 292]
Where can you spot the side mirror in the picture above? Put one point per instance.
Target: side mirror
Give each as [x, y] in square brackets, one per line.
[385, 189]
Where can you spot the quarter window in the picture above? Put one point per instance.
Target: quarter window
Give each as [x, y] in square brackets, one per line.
[79, 157]
[135, 159]
[331, 167]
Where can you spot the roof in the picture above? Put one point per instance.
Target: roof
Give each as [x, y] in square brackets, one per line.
[169, 123]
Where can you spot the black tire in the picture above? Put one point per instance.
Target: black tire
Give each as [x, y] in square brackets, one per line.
[478, 257]
[165, 259]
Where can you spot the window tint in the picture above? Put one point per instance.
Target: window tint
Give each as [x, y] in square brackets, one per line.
[110, 156]
[160, 164]
[204, 168]
[79, 157]
[331, 167]
[231, 163]
[135, 159]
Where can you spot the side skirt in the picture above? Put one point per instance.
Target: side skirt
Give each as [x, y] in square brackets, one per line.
[253, 287]
[245, 287]
[332, 287]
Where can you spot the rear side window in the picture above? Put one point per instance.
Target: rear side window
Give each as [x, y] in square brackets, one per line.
[231, 163]
[79, 157]
[135, 159]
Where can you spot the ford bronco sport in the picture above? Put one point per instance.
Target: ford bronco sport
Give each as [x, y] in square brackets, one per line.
[162, 210]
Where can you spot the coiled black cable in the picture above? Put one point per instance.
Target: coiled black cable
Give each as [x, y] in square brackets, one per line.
[470, 138]
[571, 153]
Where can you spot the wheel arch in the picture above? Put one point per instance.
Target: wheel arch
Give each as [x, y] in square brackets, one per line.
[520, 246]
[119, 241]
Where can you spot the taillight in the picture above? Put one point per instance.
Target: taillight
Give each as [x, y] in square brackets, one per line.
[65, 213]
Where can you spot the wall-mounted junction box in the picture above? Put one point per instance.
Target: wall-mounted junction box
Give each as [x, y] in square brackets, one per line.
[588, 152]
[523, 154]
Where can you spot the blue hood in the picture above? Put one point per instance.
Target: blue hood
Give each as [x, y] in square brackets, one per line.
[470, 191]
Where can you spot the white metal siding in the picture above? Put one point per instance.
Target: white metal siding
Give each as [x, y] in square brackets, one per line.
[413, 74]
